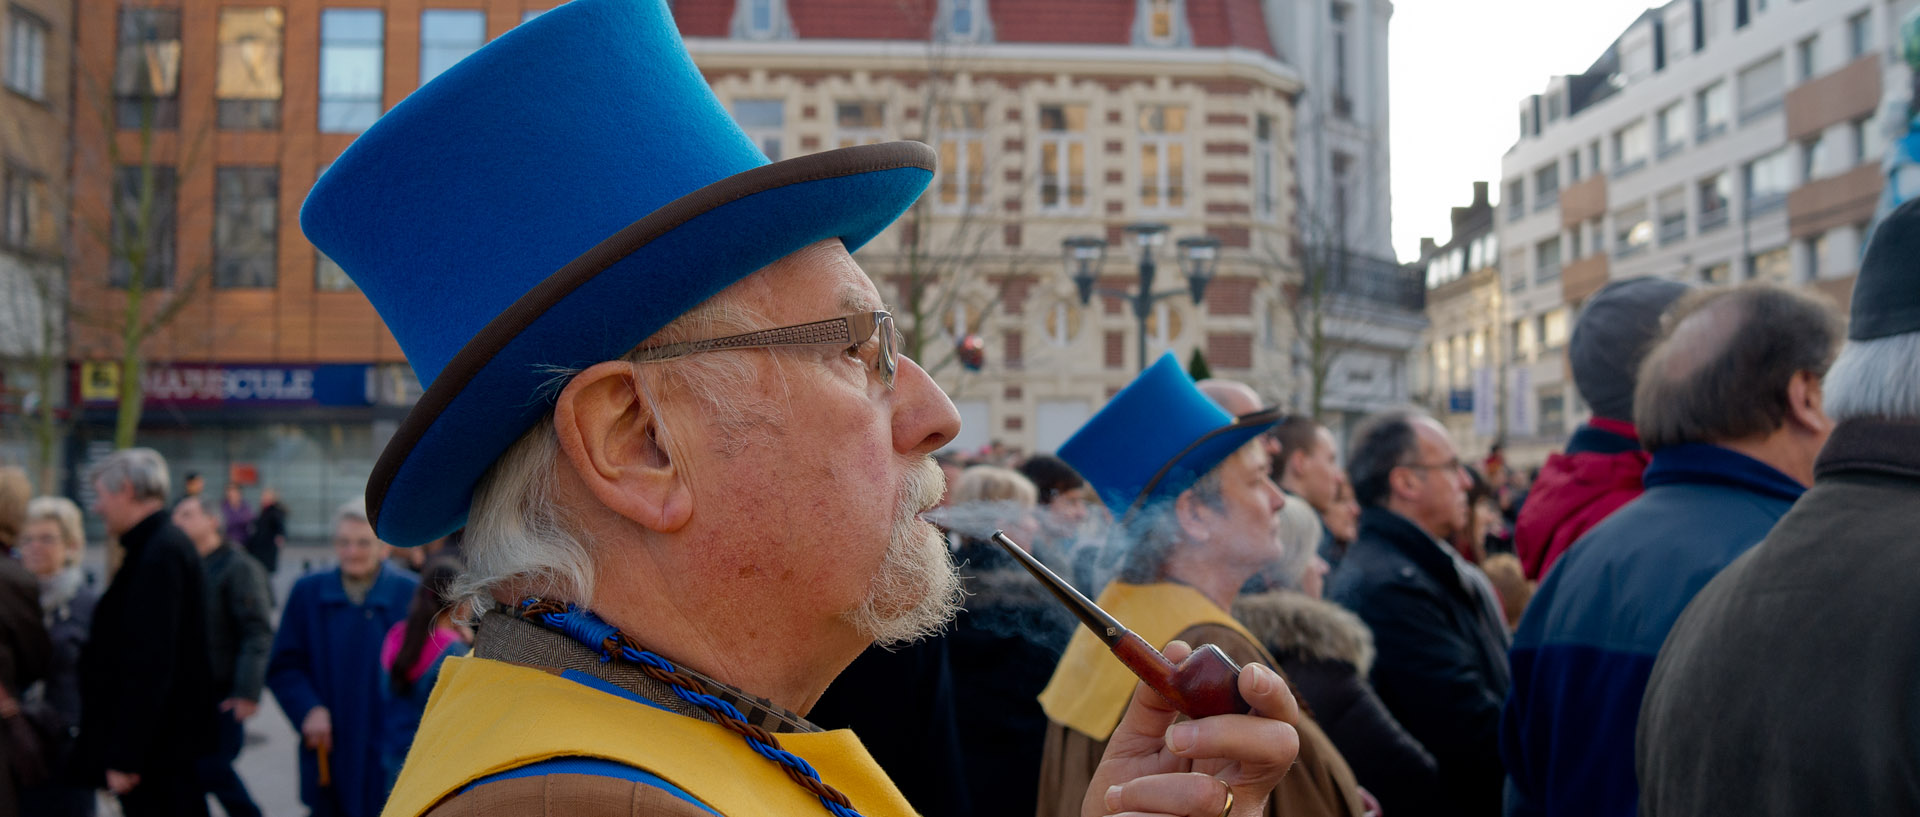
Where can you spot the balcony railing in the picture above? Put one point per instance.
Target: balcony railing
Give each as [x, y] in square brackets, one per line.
[1374, 280]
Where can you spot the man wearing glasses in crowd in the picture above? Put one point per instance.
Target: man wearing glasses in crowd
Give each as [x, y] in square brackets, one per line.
[1442, 664]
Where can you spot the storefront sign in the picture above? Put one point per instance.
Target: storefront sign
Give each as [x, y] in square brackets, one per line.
[214, 385]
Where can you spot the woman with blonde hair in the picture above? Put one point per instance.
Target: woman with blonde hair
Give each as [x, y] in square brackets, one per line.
[51, 545]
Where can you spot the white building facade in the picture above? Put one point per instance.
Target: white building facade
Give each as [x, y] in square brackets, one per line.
[1716, 141]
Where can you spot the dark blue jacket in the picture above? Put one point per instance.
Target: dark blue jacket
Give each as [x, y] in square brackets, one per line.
[1441, 665]
[327, 653]
[1588, 640]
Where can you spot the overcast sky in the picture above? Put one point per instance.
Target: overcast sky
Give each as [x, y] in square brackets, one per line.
[1458, 69]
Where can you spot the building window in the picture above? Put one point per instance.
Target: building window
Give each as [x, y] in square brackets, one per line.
[1768, 179]
[1555, 102]
[1670, 128]
[1858, 36]
[1593, 155]
[1716, 196]
[1553, 330]
[1063, 157]
[860, 123]
[963, 155]
[1773, 265]
[1716, 110]
[1632, 231]
[1742, 13]
[1574, 171]
[1342, 95]
[248, 84]
[1817, 157]
[447, 36]
[1673, 215]
[1763, 87]
[1546, 260]
[19, 207]
[1716, 274]
[1816, 248]
[764, 121]
[758, 19]
[1553, 414]
[246, 203]
[328, 276]
[528, 15]
[1576, 242]
[1163, 163]
[352, 42]
[1516, 199]
[1266, 202]
[1858, 149]
[963, 20]
[1630, 148]
[1807, 55]
[146, 75]
[143, 236]
[1546, 186]
[26, 53]
[1161, 20]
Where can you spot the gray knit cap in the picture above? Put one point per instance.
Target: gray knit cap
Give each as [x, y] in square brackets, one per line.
[1615, 330]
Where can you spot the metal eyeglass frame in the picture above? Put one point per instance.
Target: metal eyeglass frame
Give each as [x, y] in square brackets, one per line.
[850, 330]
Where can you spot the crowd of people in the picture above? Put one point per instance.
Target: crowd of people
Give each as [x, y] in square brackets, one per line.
[142, 688]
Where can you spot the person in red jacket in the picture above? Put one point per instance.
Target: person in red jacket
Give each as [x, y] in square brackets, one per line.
[1600, 470]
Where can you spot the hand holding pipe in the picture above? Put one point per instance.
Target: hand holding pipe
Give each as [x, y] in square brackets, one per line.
[1207, 683]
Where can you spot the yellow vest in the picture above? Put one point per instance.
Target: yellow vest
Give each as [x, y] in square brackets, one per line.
[1090, 688]
[487, 717]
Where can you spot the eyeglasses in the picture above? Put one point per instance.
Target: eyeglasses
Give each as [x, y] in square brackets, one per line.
[851, 331]
[1449, 465]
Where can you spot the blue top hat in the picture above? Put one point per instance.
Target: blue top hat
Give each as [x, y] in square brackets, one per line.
[552, 201]
[1156, 438]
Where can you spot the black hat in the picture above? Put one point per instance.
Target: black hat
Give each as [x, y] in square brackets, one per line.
[1613, 334]
[1886, 295]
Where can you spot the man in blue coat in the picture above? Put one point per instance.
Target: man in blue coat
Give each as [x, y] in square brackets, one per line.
[1729, 403]
[325, 669]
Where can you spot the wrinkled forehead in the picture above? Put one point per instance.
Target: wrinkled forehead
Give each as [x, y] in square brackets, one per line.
[1433, 440]
[817, 277]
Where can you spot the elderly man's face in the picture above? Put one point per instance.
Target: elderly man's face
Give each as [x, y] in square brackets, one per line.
[1318, 471]
[358, 550]
[1245, 527]
[1441, 497]
[818, 513]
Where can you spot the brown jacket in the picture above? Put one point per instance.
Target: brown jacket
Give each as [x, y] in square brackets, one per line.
[1319, 783]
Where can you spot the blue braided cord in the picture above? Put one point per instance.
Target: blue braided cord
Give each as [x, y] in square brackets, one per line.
[583, 626]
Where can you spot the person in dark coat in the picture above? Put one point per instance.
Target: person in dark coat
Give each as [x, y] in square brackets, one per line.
[1729, 403]
[24, 649]
[239, 636]
[146, 685]
[51, 547]
[325, 668]
[269, 531]
[1787, 685]
[1441, 666]
[1600, 469]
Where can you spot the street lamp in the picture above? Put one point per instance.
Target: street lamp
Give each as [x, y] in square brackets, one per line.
[1083, 256]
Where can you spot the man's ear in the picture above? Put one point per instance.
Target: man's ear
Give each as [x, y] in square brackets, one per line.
[1806, 403]
[1194, 516]
[611, 439]
[1401, 483]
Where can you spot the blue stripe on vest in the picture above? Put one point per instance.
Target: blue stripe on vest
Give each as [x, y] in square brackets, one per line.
[593, 765]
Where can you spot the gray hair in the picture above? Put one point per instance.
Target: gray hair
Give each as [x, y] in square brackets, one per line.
[991, 483]
[1153, 532]
[516, 536]
[1875, 378]
[65, 515]
[354, 509]
[141, 468]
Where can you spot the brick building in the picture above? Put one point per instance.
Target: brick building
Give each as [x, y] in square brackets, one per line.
[1054, 119]
[36, 114]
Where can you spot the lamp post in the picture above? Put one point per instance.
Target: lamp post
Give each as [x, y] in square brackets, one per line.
[1083, 256]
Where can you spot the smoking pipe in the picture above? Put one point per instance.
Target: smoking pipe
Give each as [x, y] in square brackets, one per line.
[1207, 683]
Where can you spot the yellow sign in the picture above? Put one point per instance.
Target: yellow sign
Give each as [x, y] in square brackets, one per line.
[99, 380]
